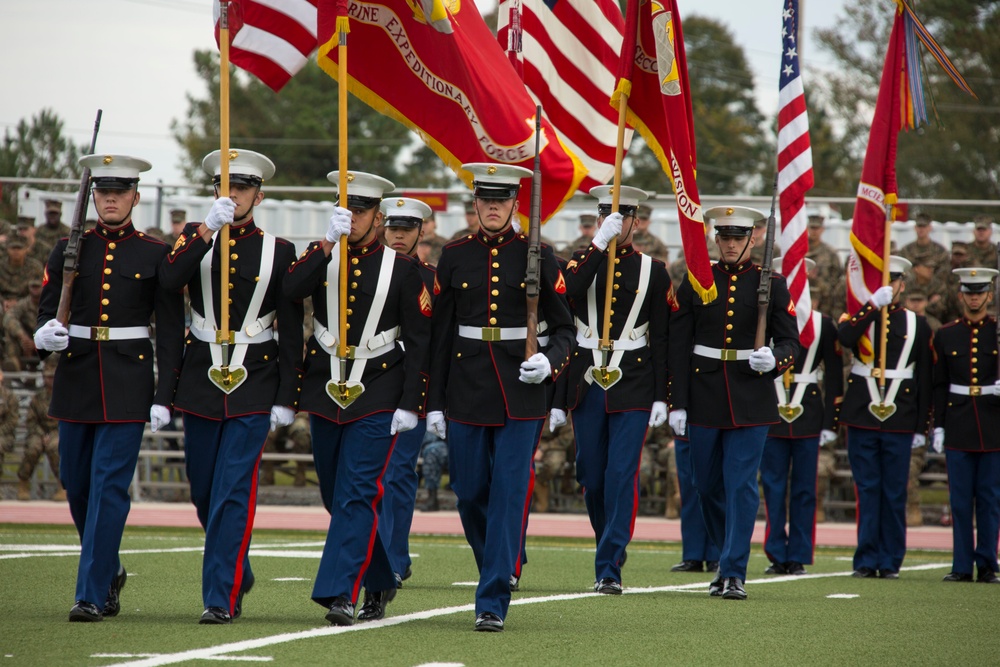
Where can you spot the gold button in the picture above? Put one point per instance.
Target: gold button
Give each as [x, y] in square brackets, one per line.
[493, 306]
[975, 349]
[106, 286]
[522, 285]
[326, 284]
[618, 274]
[495, 279]
[232, 269]
[348, 325]
[234, 256]
[354, 286]
[230, 285]
[256, 279]
[141, 357]
[109, 257]
[312, 351]
[729, 327]
[617, 261]
[354, 260]
[493, 320]
[615, 286]
[973, 360]
[614, 299]
[975, 340]
[350, 311]
[459, 355]
[729, 340]
[495, 292]
[69, 354]
[732, 288]
[137, 276]
[384, 365]
[357, 272]
[104, 317]
[351, 298]
[733, 278]
[230, 302]
[104, 302]
[107, 272]
[112, 245]
[729, 313]
[638, 359]
[732, 300]
[496, 265]
[494, 252]
[265, 357]
[611, 312]
[464, 285]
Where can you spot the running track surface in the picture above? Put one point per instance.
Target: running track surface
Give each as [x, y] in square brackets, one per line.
[277, 517]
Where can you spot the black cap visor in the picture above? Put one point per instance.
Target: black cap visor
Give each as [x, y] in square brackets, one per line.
[495, 191]
[733, 231]
[114, 183]
[604, 210]
[403, 221]
[976, 288]
[362, 203]
[241, 179]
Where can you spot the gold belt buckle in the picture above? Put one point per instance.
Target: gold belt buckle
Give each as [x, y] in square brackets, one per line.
[225, 337]
[351, 349]
[491, 334]
[975, 391]
[728, 355]
[100, 333]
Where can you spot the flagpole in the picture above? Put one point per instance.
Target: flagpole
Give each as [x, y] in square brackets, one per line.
[224, 336]
[343, 27]
[883, 343]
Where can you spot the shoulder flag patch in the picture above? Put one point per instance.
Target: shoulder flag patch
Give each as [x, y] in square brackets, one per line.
[425, 301]
[560, 284]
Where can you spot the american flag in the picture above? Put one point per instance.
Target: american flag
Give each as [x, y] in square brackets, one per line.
[569, 62]
[795, 171]
[271, 39]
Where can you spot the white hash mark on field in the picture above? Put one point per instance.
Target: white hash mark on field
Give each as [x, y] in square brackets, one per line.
[442, 664]
[842, 596]
[465, 583]
[213, 652]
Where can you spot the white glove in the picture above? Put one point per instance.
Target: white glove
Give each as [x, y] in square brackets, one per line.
[557, 418]
[403, 420]
[281, 416]
[535, 369]
[610, 229]
[658, 414]
[340, 224]
[159, 416]
[222, 213]
[762, 360]
[938, 443]
[436, 424]
[919, 440]
[678, 421]
[826, 436]
[52, 336]
[882, 296]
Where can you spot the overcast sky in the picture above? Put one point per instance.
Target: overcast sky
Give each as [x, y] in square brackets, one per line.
[133, 59]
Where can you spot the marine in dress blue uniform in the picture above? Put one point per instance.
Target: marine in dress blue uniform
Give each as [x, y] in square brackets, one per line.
[879, 448]
[494, 398]
[966, 421]
[226, 425]
[722, 391]
[614, 398]
[788, 467]
[403, 219]
[104, 385]
[358, 408]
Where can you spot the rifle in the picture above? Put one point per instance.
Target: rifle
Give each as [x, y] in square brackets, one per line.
[71, 255]
[532, 279]
[996, 302]
[767, 268]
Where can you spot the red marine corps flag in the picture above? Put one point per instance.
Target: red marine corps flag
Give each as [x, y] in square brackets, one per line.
[436, 68]
[653, 77]
[900, 105]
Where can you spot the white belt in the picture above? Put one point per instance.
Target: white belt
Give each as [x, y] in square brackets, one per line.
[805, 378]
[724, 355]
[239, 338]
[495, 334]
[964, 390]
[890, 373]
[375, 346]
[619, 344]
[108, 333]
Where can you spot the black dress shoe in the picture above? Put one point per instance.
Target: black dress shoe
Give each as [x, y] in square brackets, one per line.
[716, 586]
[687, 566]
[373, 608]
[244, 589]
[776, 568]
[988, 577]
[489, 622]
[515, 583]
[608, 586]
[711, 566]
[341, 612]
[864, 573]
[215, 616]
[888, 574]
[794, 568]
[734, 589]
[84, 612]
[112, 604]
[408, 573]
[957, 576]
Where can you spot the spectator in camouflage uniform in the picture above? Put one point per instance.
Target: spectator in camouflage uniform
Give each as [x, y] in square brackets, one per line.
[428, 234]
[925, 249]
[658, 452]
[26, 230]
[924, 277]
[19, 324]
[551, 455]
[16, 269]
[982, 251]
[178, 217]
[471, 222]
[434, 453]
[42, 437]
[588, 225]
[277, 441]
[916, 300]
[52, 229]
[644, 240]
[8, 424]
[826, 281]
[759, 236]
[678, 270]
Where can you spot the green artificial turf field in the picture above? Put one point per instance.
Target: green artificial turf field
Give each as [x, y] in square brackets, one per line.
[825, 618]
